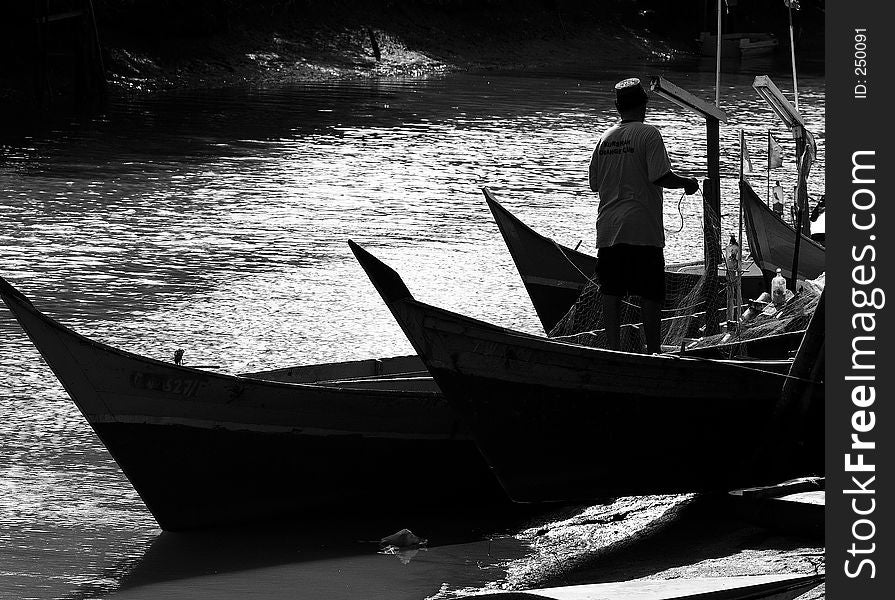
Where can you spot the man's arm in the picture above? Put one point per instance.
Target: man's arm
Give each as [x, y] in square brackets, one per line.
[673, 181]
[592, 172]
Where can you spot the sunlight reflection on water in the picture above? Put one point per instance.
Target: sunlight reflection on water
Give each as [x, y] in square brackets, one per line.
[217, 222]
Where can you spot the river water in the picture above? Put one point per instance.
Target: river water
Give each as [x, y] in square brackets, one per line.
[217, 221]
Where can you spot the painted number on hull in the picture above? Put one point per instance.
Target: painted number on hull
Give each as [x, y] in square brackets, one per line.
[168, 385]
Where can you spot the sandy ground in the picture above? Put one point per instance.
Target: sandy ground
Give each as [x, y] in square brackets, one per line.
[658, 537]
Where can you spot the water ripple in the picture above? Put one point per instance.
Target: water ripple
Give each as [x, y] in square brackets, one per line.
[217, 222]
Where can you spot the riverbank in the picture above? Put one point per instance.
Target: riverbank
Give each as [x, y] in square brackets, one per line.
[145, 46]
[403, 41]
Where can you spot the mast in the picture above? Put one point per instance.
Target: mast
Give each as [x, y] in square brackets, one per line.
[718, 60]
[792, 52]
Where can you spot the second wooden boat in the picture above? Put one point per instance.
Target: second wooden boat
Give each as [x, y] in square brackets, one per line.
[772, 241]
[205, 449]
[558, 421]
[554, 275]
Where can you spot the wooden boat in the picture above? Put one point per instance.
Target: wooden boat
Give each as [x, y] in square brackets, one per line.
[795, 506]
[554, 275]
[738, 45]
[743, 587]
[772, 240]
[562, 422]
[204, 448]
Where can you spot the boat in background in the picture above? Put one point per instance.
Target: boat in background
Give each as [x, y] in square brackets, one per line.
[554, 275]
[205, 449]
[564, 422]
[772, 241]
[743, 587]
[738, 45]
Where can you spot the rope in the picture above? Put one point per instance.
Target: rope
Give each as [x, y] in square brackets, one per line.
[571, 262]
[624, 301]
[595, 282]
[681, 213]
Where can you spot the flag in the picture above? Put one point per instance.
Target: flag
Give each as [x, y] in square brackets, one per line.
[810, 145]
[809, 155]
[747, 160]
[775, 152]
[793, 4]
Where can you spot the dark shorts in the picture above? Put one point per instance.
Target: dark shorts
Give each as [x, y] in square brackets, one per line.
[625, 269]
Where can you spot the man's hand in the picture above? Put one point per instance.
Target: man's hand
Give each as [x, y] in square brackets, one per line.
[672, 180]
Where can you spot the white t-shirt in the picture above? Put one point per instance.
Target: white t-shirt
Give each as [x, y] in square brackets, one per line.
[627, 160]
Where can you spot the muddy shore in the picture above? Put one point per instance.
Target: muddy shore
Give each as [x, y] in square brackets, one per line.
[401, 44]
[146, 46]
[659, 537]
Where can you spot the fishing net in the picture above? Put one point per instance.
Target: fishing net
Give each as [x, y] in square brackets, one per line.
[681, 316]
[689, 295]
[762, 318]
[683, 312]
[689, 298]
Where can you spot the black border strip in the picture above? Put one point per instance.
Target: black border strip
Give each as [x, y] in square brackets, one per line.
[859, 546]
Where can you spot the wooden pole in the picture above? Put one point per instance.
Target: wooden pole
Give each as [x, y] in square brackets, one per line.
[711, 223]
[795, 252]
[769, 167]
[718, 61]
[739, 282]
[792, 51]
[713, 149]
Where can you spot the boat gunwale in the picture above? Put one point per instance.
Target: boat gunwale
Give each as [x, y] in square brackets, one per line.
[10, 294]
[429, 312]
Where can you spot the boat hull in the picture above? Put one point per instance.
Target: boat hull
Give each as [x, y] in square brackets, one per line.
[562, 422]
[195, 477]
[772, 241]
[558, 426]
[205, 449]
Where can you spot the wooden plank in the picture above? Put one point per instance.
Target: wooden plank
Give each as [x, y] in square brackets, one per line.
[753, 587]
[687, 100]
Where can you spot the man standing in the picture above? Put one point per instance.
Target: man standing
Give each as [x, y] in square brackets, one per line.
[628, 169]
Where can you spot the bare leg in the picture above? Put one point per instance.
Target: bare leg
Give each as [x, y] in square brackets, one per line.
[652, 311]
[611, 310]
